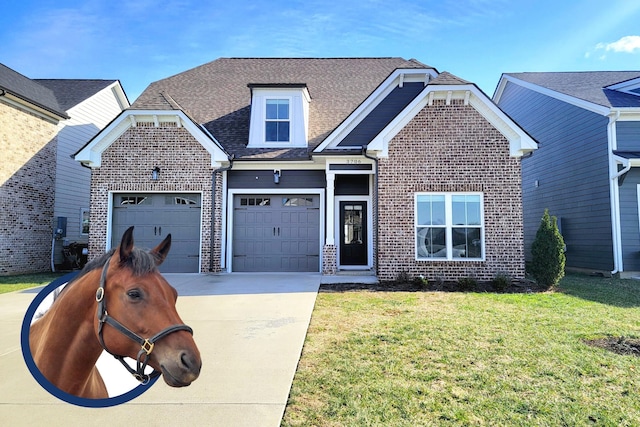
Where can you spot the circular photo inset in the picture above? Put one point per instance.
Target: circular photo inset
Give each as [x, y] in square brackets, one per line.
[120, 385]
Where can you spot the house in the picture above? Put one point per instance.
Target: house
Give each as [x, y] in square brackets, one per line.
[586, 168]
[42, 189]
[378, 165]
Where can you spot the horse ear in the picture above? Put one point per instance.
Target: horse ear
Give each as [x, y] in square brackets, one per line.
[126, 244]
[160, 252]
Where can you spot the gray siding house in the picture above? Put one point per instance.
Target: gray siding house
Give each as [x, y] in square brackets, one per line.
[586, 168]
[42, 123]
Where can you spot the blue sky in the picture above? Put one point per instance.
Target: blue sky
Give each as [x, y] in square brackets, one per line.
[139, 42]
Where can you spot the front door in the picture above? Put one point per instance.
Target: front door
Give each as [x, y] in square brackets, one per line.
[353, 238]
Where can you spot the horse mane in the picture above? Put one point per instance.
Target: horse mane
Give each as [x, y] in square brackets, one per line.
[140, 262]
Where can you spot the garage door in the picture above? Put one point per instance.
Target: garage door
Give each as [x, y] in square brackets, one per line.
[276, 233]
[155, 215]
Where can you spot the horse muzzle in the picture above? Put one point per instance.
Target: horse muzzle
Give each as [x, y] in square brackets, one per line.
[181, 368]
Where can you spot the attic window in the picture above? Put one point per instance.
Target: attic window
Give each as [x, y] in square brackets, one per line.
[277, 120]
[279, 116]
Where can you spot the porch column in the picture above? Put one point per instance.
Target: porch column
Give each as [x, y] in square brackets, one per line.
[329, 235]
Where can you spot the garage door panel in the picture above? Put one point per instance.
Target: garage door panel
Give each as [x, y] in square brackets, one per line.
[276, 236]
[156, 215]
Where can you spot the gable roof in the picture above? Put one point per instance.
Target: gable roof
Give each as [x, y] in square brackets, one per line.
[449, 88]
[589, 86]
[217, 95]
[71, 92]
[25, 90]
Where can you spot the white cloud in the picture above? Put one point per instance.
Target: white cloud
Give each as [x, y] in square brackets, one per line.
[627, 44]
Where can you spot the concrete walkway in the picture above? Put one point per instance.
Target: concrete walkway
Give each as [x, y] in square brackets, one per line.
[250, 329]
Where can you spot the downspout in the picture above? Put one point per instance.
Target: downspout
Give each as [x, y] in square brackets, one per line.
[213, 206]
[375, 211]
[615, 196]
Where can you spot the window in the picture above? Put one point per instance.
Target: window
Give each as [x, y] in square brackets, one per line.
[277, 120]
[255, 201]
[134, 200]
[297, 201]
[449, 226]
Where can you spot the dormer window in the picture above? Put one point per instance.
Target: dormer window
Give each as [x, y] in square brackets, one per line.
[277, 123]
[279, 116]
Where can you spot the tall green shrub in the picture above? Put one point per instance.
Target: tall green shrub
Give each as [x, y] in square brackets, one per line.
[547, 266]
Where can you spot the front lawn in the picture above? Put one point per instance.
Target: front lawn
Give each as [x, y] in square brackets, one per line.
[25, 281]
[441, 358]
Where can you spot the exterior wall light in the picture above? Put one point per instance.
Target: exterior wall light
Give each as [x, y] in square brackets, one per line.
[276, 176]
[155, 172]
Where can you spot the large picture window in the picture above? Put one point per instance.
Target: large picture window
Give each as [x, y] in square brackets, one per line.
[277, 120]
[449, 226]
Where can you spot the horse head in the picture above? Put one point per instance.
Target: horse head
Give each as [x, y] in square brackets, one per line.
[137, 315]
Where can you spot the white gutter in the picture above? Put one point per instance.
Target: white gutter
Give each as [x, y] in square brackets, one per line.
[614, 193]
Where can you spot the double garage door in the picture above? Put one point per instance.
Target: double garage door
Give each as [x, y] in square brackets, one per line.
[155, 215]
[276, 233]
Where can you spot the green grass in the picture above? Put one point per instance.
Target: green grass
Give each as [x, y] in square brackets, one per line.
[440, 359]
[25, 281]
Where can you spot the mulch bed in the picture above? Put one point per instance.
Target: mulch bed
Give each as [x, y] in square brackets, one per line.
[619, 345]
[516, 286]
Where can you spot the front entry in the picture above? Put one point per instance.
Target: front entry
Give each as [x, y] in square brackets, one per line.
[353, 237]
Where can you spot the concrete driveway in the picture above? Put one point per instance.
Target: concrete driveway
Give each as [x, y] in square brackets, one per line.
[250, 329]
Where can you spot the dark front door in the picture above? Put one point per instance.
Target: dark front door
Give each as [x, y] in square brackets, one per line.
[353, 239]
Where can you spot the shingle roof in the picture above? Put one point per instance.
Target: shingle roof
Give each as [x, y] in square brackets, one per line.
[588, 85]
[446, 78]
[29, 90]
[216, 94]
[70, 93]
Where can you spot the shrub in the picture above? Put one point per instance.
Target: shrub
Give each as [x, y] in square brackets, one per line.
[421, 281]
[501, 281]
[467, 283]
[547, 250]
[403, 277]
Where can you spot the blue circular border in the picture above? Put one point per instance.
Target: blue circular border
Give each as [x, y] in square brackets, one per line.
[28, 358]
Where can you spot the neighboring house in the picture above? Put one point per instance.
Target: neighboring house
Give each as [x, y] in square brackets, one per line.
[43, 122]
[380, 165]
[91, 105]
[586, 169]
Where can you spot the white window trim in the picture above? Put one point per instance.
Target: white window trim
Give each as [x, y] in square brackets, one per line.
[448, 225]
[298, 117]
[265, 120]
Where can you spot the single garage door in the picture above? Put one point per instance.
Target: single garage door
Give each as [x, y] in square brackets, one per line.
[276, 233]
[155, 215]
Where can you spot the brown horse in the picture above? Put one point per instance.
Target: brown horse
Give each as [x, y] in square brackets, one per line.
[67, 341]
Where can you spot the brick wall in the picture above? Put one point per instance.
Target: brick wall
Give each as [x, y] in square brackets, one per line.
[27, 189]
[450, 148]
[126, 167]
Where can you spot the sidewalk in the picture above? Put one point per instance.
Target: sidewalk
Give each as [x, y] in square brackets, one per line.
[250, 329]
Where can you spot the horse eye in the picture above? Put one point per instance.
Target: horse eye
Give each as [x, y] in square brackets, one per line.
[134, 294]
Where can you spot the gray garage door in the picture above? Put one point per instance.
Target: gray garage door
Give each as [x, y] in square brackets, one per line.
[156, 215]
[276, 233]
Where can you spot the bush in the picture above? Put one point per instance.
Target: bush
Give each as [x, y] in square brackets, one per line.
[421, 281]
[547, 250]
[467, 283]
[501, 281]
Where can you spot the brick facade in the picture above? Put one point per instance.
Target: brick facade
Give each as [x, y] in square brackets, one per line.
[449, 148]
[126, 167]
[27, 189]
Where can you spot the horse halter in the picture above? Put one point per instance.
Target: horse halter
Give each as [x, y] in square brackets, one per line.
[146, 344]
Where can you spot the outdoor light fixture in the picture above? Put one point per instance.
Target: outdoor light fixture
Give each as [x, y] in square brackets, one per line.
[155, 172]
[276, 176]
